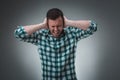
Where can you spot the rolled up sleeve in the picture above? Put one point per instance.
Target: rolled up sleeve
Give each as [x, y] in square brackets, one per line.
[22, 35]
[81, 34]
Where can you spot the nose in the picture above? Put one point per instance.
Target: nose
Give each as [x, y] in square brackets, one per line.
[56, 28]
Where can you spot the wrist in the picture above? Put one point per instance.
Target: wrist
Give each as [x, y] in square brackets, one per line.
[42, 25]
[68, 22]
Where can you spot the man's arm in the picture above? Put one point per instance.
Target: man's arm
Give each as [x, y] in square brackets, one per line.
[84, 28]
[30, 33]
[33, 28]
[82, 24]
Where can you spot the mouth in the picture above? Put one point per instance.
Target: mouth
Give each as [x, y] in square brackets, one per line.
[56, 32]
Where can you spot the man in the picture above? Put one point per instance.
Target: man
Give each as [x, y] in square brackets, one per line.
[56, 39]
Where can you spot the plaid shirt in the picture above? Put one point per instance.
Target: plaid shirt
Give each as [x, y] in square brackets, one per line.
[57, 54]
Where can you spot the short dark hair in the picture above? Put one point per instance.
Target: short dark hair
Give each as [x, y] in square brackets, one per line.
[53, 14]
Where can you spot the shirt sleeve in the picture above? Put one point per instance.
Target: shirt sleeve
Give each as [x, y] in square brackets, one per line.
[81, 34]
[22, 35]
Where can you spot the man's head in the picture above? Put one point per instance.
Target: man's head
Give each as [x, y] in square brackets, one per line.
[55, 21]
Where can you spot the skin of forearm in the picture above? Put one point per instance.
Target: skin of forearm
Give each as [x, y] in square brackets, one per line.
[33, 28]
[82, 24]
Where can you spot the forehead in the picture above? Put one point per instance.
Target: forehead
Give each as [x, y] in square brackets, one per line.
[57, 21]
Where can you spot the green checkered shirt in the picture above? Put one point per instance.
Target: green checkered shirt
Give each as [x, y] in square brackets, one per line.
[57, 54]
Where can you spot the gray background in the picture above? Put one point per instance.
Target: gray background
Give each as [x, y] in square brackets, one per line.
[97, 57]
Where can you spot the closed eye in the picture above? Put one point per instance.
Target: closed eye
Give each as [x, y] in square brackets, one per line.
[53, 26]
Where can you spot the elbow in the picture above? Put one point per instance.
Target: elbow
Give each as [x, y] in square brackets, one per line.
[93, 26]
[19, 33]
